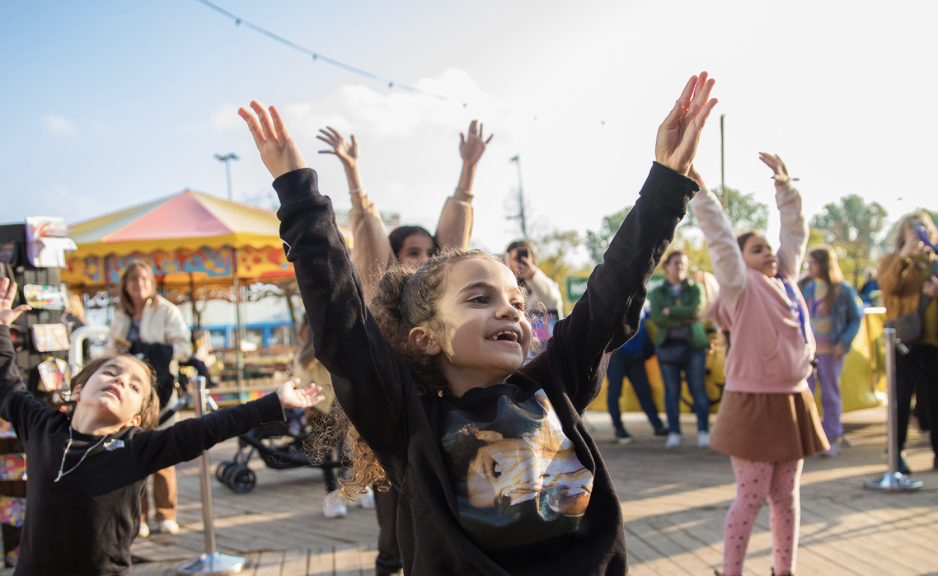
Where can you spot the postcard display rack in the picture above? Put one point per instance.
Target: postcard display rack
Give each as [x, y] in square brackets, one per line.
[21, 249]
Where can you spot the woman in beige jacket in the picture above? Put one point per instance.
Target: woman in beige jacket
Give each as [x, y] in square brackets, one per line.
[146, 317]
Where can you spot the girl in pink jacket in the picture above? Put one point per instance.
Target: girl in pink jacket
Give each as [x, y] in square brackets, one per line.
[767, 421]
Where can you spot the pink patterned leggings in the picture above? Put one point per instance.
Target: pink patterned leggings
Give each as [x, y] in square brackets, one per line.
[780, 482]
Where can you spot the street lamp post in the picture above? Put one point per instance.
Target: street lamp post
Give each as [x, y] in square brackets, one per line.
[227, 158]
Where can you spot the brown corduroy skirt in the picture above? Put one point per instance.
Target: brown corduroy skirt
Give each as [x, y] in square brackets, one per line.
[768, 427]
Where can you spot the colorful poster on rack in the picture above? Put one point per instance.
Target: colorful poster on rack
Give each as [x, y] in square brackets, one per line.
[46, 297]
[53, 375]
[12, 466]
[49, 337]
[12, 510]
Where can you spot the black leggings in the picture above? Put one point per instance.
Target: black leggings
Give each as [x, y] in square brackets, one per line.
[917, 373]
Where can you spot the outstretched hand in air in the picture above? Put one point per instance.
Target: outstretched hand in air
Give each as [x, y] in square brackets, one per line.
[278, 150]
[346, 151]
[293, 397]
[471, 147]
[7, 295]
[679, 134]
[780, 172]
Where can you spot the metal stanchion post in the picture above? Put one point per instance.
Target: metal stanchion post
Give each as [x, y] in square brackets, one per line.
[211, 562]
[892, 481]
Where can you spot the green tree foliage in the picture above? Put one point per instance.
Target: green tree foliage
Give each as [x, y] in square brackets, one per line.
[553, 251]
[851, 226]
[597, 242]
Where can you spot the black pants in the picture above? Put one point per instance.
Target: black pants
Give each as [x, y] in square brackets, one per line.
[917, 373]
[389, 554]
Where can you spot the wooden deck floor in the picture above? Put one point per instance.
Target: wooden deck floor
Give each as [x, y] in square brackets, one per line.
[674, 503]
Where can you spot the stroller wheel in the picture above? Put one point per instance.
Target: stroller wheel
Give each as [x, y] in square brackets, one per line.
[241, 479]
[221, 469]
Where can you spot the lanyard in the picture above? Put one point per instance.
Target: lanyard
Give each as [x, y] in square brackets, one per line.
[795, 307]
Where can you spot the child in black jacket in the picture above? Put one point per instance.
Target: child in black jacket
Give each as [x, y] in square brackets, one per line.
[86, 467]
[496, 470]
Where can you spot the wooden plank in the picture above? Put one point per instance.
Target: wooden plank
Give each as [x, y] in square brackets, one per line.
[295, 563]
[349, 561]
[321, 562]
[269, 563]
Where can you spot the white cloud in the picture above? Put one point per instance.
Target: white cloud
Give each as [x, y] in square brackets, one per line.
[59, 125]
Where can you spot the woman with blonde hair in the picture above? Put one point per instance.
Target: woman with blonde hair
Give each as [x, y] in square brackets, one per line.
[908, 279]
[148, 324]
[835, 321]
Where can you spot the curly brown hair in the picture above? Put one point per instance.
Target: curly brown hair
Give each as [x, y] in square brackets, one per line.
[150, 407]
[405, 299]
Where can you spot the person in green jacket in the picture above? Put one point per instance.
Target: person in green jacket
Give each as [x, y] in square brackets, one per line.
[681, 346]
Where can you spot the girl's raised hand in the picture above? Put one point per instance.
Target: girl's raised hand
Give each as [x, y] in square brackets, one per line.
[778, 167]
[679, 134]
[278, 150]
[7, 294]
[346, 151]
[291, 397]
[472, 147]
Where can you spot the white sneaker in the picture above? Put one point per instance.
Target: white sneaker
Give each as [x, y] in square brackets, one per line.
[703, 439]
[168, 527]
[366, 500]
[144, 530]
[833, 451]
[674, 440]
[332, 506]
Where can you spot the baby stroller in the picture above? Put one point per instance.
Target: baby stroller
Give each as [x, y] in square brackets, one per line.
[282, 446]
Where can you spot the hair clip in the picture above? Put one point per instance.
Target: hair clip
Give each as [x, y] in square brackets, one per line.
[439, 393]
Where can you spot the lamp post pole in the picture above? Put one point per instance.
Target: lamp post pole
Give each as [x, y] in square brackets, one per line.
[521, 215]
[227, 158]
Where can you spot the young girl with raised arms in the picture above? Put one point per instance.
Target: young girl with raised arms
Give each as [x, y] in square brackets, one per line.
[87, 464]
[496, 470]
[767, 421]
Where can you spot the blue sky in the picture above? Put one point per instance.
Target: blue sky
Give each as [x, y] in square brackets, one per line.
[109, 104]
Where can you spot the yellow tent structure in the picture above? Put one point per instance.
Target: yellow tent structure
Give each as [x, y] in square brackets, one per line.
[189, 238]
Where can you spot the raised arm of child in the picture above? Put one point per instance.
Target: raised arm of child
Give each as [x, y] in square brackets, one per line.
[609, 311]
[367, 376]
[372, 251]
[793, 239]
[454, 230]
[728, 264]
[18, 409]
[158, 449]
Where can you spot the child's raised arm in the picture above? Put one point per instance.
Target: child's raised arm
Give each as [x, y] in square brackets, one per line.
[14, 408]
[349, 343]
[793, 238]
[372, 251]
[454, 229]
[729, 268]
[609, 312]
[158, 449]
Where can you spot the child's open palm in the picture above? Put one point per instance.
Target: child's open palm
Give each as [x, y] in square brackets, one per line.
[471, 147]
[345, 150]
[679, 134]
[278, 150]
[7, 294]
[291, 397]
[780, 172]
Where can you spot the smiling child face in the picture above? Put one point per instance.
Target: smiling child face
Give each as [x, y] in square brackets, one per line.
[483, 328]
[115, 392]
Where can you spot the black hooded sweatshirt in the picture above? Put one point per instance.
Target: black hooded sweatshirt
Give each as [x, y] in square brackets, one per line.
[506, 479]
